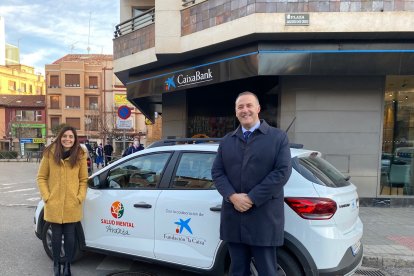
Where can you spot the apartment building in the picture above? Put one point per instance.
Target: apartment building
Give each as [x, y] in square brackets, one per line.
[19, 79]
[22, 123]
[339, 73]
[83, 91]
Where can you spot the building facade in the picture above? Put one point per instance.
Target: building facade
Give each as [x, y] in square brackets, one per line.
[22, 123]
[337, 75]
[21, 79]
[82, 91]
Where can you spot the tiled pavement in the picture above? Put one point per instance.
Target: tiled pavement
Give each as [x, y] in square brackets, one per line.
[388, 236]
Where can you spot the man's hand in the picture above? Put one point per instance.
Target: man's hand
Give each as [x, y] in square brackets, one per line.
[241, 202]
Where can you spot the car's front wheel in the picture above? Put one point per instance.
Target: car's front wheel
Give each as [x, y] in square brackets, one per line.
[47, 244]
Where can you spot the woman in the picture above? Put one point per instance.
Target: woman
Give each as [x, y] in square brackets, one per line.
[62, 178]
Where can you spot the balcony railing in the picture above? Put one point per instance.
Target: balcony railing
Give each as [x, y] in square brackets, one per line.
[135, 23]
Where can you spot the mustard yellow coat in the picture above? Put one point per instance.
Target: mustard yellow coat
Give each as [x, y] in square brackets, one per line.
[62, 188]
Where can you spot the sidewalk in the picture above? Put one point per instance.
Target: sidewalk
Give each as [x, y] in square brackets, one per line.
[388, 236]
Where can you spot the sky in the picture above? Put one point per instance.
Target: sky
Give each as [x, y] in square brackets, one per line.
[46, 30]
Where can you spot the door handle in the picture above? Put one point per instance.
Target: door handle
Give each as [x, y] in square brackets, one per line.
[142, 205]
[216, 209]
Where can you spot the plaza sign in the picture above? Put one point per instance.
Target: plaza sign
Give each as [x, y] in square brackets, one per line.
[296, 19]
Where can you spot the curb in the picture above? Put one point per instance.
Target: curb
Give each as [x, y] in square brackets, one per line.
[379, 261]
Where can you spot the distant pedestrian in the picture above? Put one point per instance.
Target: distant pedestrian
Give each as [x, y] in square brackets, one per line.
[136, 146]
[108, 150]
[89, 147]
[61, 179]
[99, 156]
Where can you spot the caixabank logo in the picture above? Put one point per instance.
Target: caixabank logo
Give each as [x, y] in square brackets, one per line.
[173, 82]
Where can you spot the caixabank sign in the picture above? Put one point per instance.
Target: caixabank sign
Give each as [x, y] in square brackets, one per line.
[180, 80]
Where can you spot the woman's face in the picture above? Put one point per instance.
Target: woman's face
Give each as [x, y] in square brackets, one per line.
[68, 139]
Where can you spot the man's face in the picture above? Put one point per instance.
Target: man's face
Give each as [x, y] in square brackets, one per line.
[247, 111]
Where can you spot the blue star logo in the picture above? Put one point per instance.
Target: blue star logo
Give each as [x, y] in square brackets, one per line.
[169, 83]
[184, 225]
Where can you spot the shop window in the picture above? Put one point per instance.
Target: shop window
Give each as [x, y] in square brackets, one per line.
[54, 102]
[72, 80]
[74, 122]
[72, 102]
[397, 166]
[54, 81]
[28, 115]
[93, 82]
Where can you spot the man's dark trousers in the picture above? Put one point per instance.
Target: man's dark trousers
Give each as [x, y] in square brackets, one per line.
[264, 258]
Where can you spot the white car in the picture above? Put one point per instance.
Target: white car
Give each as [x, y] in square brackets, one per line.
[160, 205]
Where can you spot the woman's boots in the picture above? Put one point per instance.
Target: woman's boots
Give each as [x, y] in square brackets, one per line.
[56, 269]
[66, 269]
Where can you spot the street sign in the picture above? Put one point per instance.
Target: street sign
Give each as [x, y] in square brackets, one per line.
[124, 124]
[124, 112]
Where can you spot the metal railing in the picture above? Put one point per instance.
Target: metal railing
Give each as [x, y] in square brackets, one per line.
[135, 23]
[188, 2]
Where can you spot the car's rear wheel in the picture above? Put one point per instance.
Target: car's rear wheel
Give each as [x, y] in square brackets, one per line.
[47, 244]
[288, 264]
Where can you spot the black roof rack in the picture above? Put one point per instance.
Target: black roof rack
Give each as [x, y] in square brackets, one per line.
[177, 141]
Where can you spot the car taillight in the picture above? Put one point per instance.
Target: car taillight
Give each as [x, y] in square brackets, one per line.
[314, 208]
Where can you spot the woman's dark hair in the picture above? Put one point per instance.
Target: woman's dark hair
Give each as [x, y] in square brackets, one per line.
[75, 152]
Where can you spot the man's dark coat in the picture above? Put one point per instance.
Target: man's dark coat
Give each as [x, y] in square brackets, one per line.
[258, 168]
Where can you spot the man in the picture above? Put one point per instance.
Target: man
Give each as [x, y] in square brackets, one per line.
[88, 146]
[108, 150]
[251, 167]
[136, 146]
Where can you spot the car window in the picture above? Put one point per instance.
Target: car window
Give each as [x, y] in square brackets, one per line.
[319, 171]
[194, 171]
[140, 172]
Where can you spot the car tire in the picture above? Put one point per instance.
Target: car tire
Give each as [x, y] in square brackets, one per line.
[288, 264]
[47, 244]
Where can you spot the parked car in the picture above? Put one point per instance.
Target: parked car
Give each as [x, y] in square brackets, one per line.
[160, 205]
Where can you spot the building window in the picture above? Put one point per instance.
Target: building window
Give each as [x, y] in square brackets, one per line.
[23, 88]
[54, 102]
[54, 122]
[93, 103]
[91, 123]
[74, 122]
[72, 80]
[73, 102]
[12, 85]
[31, 89]
[397, 164]
[93, 82]
[54, 81]
[39, 90]
[29, 115]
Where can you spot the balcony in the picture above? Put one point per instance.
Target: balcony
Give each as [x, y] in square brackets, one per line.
[135, 35]
[203, 27]
[51, 111]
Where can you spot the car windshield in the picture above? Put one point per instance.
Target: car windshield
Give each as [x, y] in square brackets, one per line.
[319, 171]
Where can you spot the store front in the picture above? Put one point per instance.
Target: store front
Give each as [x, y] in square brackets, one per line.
[397, 166]
[331, 100]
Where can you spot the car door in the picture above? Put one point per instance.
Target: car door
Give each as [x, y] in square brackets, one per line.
[120, 206]
[188, 214]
